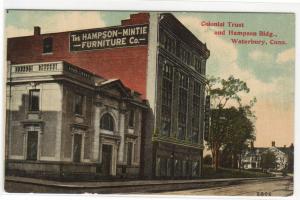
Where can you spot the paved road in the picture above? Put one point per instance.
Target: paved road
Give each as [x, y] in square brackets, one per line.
[283, 187]
[277, 186]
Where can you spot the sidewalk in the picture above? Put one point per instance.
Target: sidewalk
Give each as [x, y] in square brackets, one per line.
[114, 184]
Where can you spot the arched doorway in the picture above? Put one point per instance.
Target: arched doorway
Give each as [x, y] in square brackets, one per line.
[109, 141]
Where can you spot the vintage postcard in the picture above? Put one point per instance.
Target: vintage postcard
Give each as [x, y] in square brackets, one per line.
[167, 103]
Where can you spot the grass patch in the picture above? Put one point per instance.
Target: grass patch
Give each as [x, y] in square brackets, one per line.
[209, 172]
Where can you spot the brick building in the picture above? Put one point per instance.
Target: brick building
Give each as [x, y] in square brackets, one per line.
[155, 55]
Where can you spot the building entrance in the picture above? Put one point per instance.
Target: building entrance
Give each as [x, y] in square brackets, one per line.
[106, 159]
[32, 145]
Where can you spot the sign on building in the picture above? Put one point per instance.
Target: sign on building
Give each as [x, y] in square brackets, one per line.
[111, 37]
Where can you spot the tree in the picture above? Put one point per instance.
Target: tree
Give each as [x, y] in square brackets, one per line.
[222, 91]
[239, 133]
[207, 160]
[268, 160]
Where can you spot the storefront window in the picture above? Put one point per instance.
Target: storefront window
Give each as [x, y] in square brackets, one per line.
[77, 147]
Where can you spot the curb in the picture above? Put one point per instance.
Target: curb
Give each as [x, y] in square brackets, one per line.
[130, 183]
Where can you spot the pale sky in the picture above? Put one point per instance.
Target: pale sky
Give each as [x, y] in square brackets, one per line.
[268, 70]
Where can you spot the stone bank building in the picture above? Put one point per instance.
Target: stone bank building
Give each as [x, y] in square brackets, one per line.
[64, 120]
[125, 100]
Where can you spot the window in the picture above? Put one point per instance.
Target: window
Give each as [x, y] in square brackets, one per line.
[167, 42]
[196, 112]
[163, 167]
[78, 104]
[77, 147]
[188, 58]
[178, 167]
[184, 54]
[157, 168]
[182, 107]
[203, 66]
[129, 153]
[166, 99]
[47, 45]
[197, 65]
[107, 122]
[131, 119]
[169, 166]
[195, 168]
[34, 100]
[32, 145]
[162, 38]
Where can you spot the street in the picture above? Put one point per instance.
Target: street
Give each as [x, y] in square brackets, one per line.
[277, 186]
[282, 187]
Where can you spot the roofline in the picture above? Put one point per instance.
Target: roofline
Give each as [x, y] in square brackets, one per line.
[187, 30]
[106, 27]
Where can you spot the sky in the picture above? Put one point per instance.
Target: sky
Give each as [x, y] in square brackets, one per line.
[267, 69]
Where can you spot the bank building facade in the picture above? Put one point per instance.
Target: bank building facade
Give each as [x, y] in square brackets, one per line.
[124, 101]
[64, 120]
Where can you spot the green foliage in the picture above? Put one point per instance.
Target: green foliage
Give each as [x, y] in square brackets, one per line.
[268, 160]
[231, 128]
[222, 90]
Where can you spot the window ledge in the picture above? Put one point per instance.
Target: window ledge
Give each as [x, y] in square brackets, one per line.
[34, 112]
[106, 132]
[131, 130]
[48, 53]
[79, 115]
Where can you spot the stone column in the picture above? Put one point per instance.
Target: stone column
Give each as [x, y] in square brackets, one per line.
[114, 160]
[122, 132]
[96, 141]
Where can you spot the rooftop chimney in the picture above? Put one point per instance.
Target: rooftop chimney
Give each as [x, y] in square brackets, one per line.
[273, 143]
[37, 30]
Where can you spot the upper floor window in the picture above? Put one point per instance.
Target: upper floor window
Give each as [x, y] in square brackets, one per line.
[196, 112]
[34, 100]
[167, 84]
[203, 66]
[47, 45]
[107, 122]
[131, 119]
[78, 104]
[183, 104]
[184, 54]
[197, 64]
[167, 42]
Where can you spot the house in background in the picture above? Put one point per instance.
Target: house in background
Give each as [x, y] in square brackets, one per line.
[63, 120]
[252, 157]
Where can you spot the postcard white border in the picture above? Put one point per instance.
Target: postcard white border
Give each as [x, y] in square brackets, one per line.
[153, 5]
